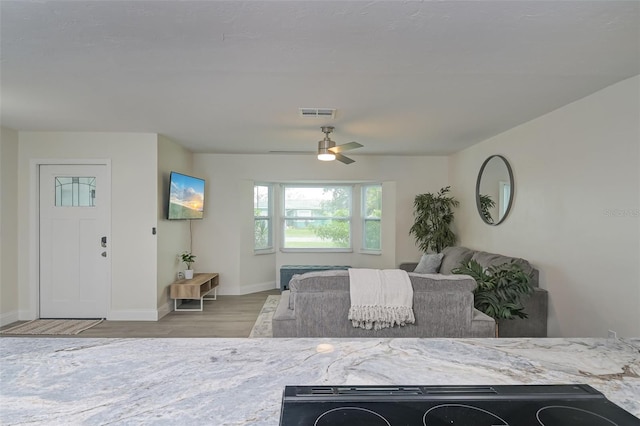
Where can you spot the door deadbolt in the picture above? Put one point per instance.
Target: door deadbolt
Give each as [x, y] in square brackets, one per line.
[103, 254]
[103, 241]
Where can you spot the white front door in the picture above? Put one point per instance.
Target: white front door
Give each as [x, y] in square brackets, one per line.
[75, 206]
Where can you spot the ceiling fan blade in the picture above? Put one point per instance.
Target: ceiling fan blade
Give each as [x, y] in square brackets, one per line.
[345, 147]
[343, 159]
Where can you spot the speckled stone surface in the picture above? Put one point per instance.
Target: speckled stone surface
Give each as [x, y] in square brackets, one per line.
[60, 381]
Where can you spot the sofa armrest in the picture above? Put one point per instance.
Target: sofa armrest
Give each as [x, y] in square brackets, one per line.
[535, 325]
[408, 266]
[482, 325]
[284, 319]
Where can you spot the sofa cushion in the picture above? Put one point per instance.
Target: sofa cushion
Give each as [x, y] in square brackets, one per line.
[485, 260]
[318, 282]
[440, 283]
[454, 257]
[338, 282]
[429, 263]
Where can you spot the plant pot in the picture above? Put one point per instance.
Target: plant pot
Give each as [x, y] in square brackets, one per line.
[188, 274]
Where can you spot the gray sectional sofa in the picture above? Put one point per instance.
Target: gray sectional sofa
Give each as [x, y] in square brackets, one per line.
[536, 305]
[317, 305]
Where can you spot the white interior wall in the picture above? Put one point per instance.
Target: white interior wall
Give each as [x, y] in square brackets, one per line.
[134, 213]
[576, 211]
[173, 235]
[223, 240]
[8, 226]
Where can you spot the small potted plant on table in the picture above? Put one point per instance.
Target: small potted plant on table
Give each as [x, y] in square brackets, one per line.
[188, 258]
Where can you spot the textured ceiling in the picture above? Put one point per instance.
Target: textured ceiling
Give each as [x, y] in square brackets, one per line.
[406, 77]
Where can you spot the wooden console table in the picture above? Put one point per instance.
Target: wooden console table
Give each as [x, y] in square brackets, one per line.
[196, 288]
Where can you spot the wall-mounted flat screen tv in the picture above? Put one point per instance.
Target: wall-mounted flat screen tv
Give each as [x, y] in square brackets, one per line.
[186, 197]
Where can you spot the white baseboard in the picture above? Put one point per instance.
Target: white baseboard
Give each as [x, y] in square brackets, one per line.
[119, 315]
[155, 315]
[165, 309]
[26, 315]
[255, 288]
[7, 318]
[133, 315]
[248, 289]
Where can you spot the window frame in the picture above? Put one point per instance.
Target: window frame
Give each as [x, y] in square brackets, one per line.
[365, 218]
[269, 219]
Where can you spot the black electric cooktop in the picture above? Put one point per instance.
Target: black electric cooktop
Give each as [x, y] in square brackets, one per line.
[518, 405]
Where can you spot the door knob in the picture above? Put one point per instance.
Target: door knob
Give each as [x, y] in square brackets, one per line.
[103, 241]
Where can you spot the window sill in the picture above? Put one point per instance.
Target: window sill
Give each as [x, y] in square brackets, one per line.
[316, 250]
[371, 252]
[263, 251]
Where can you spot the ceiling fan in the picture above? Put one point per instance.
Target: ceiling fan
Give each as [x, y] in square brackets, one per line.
[329, 151]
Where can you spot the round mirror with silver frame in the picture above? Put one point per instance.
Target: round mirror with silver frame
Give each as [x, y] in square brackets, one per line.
[494, 190]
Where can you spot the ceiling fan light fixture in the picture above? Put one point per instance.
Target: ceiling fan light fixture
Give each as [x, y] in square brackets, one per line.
[324, 155]
[329, 151]
[323, 148]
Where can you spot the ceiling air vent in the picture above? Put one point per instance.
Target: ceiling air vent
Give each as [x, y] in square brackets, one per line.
[318, 112]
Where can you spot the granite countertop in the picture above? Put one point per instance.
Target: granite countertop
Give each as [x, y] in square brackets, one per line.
[240, 381]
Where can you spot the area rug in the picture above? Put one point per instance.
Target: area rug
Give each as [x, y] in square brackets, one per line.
[262, 327]
[52, 326]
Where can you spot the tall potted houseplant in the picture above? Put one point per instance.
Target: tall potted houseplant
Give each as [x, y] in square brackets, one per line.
[500, 289]
[433, 218]
[188, 258]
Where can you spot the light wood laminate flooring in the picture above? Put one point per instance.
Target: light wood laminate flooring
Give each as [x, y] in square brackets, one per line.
[229, 316]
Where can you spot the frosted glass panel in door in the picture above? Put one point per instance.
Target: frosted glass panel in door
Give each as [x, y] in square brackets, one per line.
[75, 191]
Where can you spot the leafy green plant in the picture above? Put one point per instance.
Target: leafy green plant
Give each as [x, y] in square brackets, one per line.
[500, 289]
[188, 258]
[261, 234]
[372, 235]
[334, 230]
[486, 203]
[433, 218]
[337, 231]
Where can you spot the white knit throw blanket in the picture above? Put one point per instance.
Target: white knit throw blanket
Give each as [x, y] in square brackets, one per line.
[380, 298]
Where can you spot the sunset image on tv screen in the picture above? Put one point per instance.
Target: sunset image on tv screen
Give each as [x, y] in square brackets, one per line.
[186, 197]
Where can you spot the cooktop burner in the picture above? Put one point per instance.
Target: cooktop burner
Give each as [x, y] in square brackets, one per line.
[504, 405]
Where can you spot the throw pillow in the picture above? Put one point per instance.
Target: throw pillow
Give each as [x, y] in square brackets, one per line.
[454, 257]
[429, 264]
